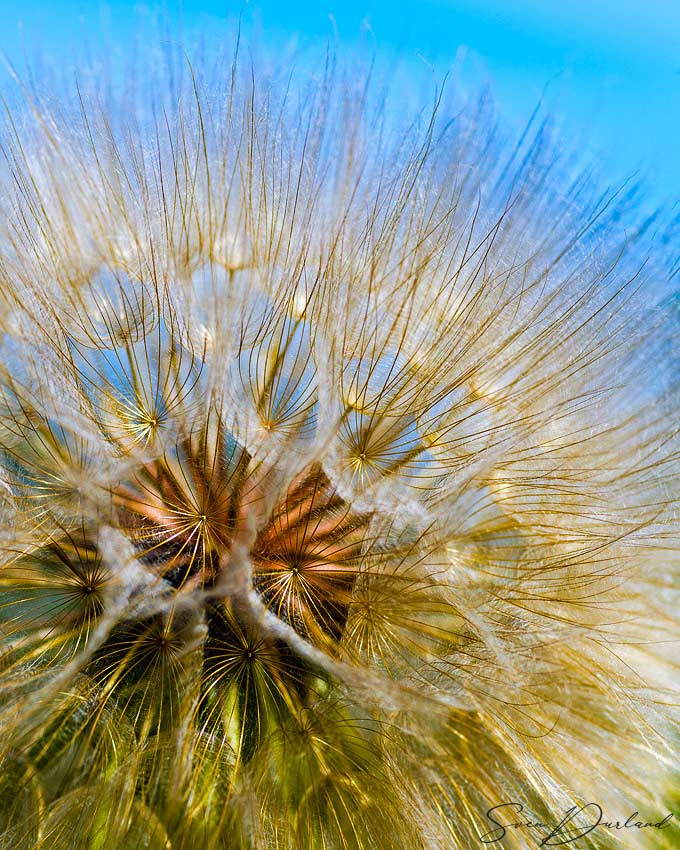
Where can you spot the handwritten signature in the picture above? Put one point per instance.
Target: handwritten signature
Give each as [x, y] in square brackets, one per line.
[578, 821]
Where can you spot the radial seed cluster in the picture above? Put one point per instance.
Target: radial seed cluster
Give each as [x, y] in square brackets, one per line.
[338, 458]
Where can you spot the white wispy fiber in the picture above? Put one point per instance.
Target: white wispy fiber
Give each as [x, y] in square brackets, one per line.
[339, 461]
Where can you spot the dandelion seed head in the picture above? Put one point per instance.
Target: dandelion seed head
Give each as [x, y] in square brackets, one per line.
[337, 471]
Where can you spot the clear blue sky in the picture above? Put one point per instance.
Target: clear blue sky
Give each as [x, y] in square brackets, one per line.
[609, 68]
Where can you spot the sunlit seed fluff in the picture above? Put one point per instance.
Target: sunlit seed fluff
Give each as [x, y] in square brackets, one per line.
[338, 463]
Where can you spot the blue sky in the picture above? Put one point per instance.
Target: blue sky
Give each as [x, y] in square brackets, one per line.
[610, 69]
